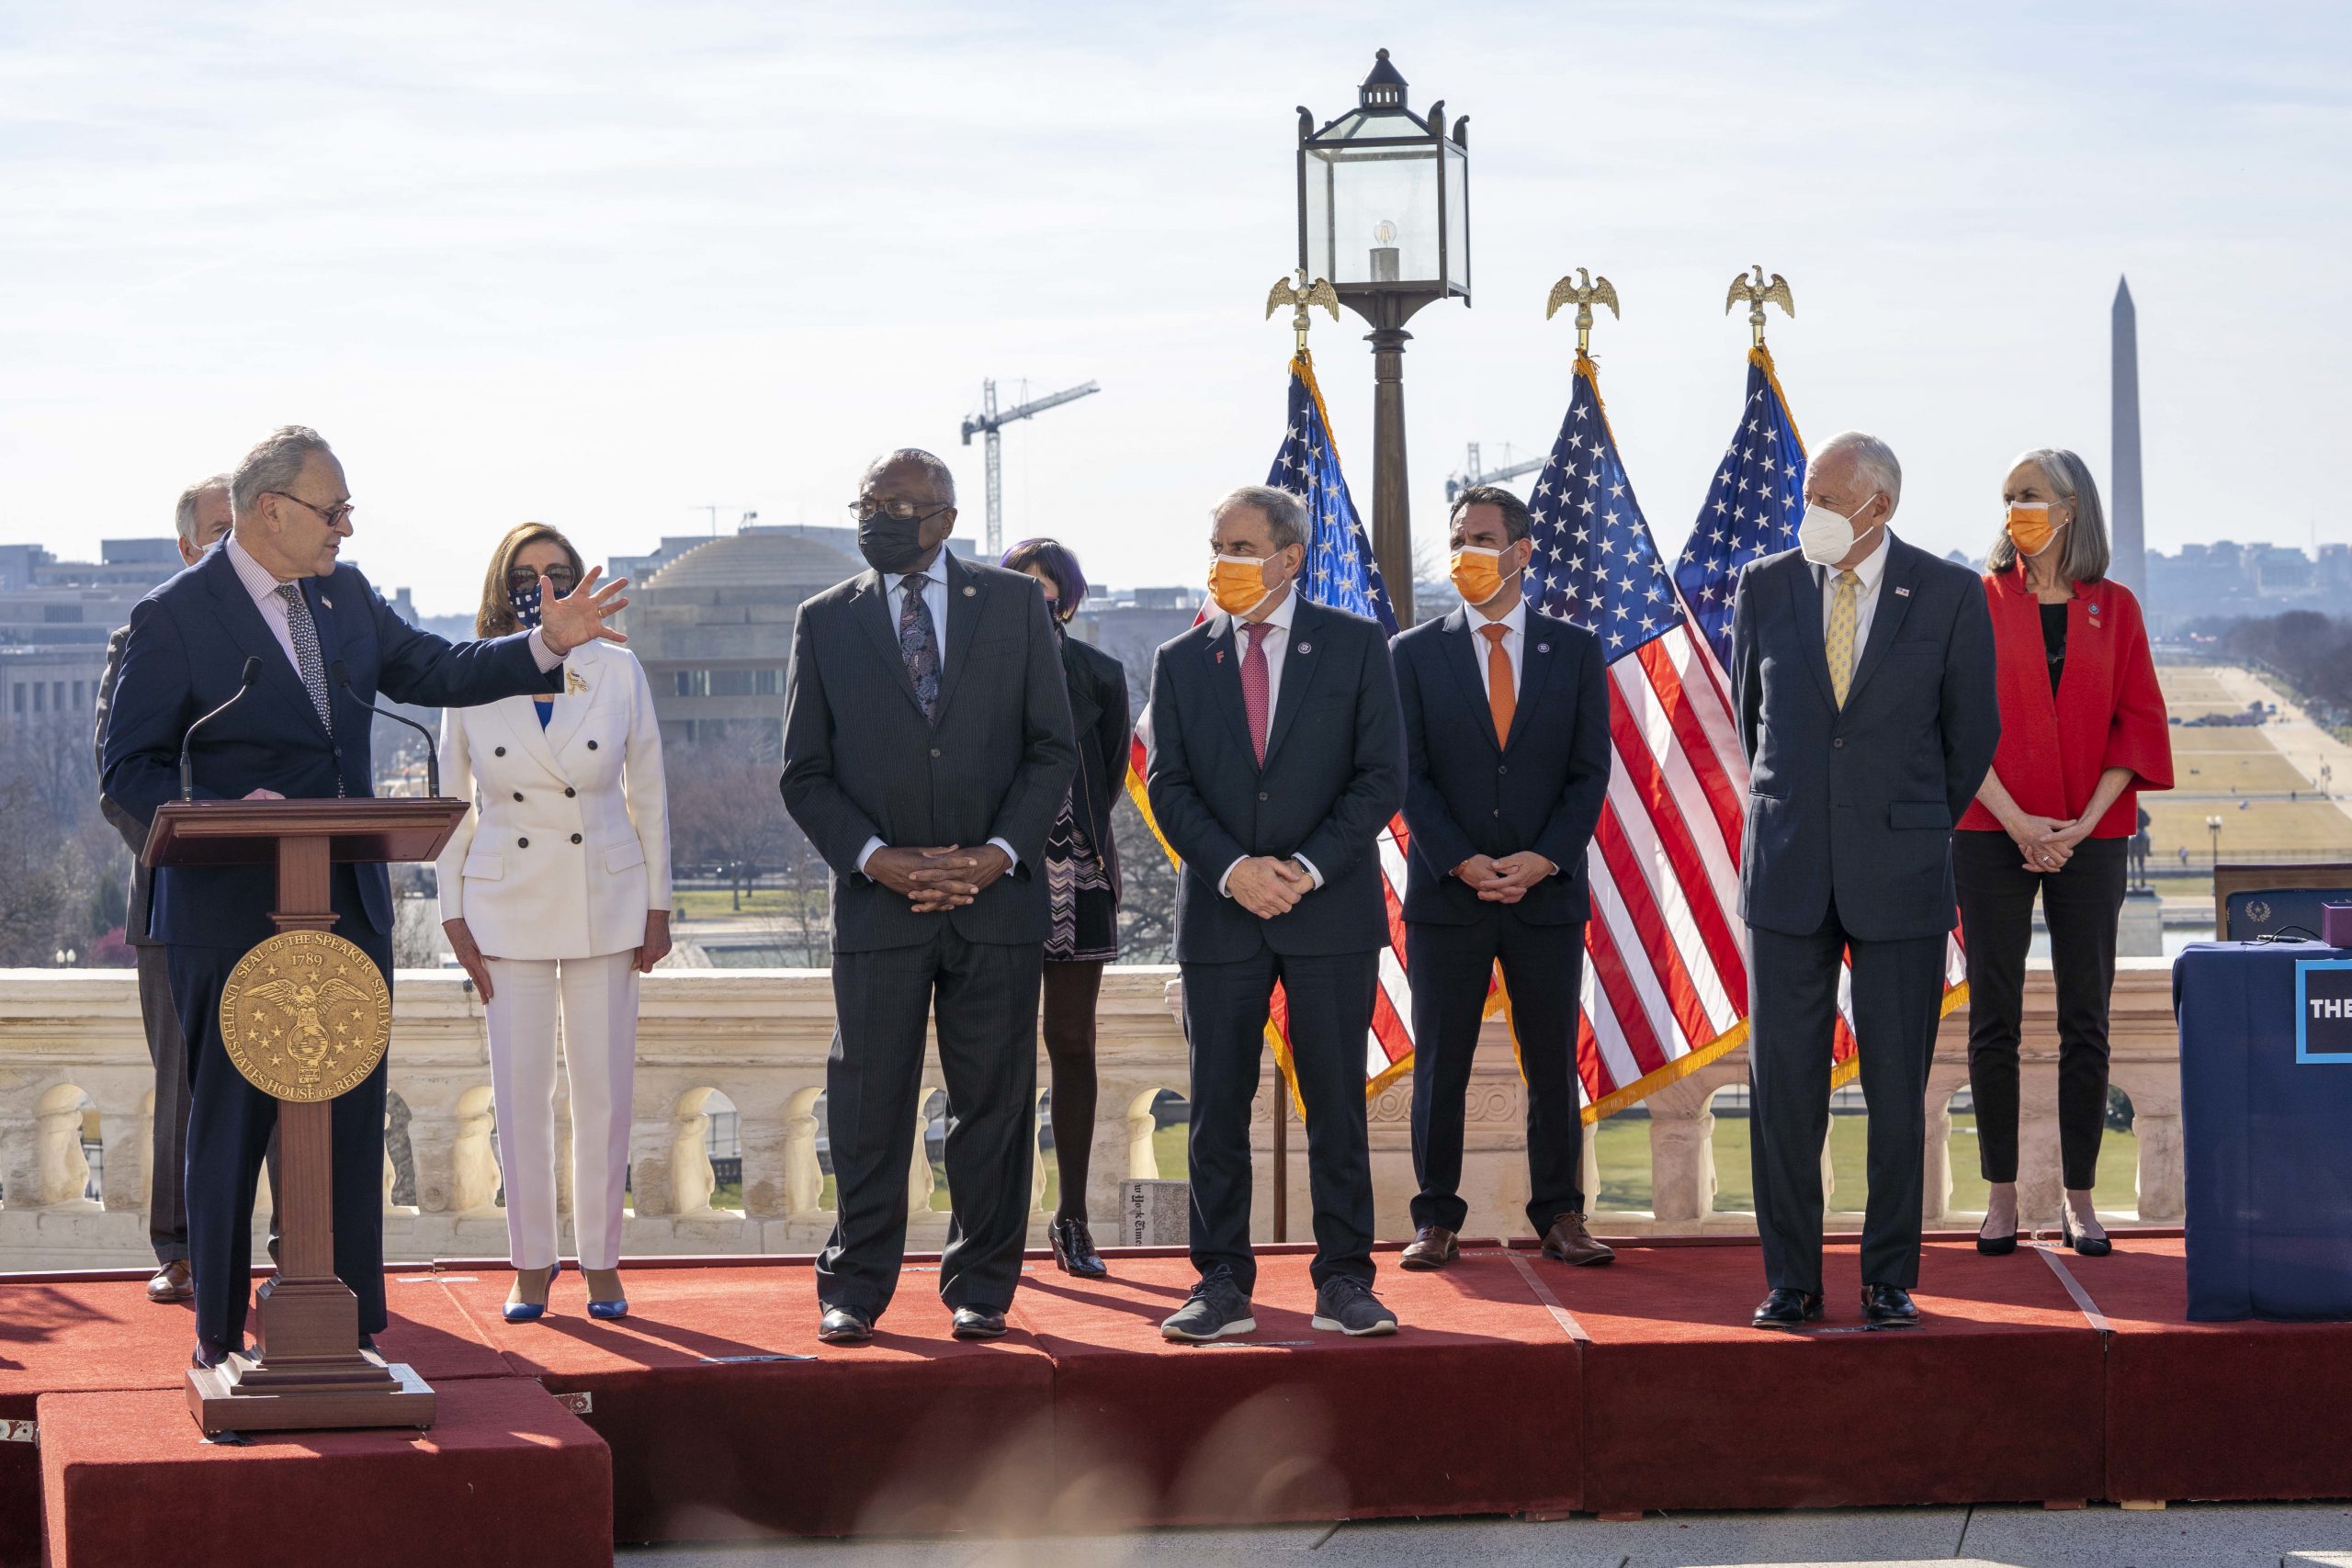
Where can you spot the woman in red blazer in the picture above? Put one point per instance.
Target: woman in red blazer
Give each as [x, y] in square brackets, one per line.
[2083, 730]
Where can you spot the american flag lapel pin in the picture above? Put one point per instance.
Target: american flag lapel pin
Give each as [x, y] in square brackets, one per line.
[1306, 648]
[325, 600]
[1542, 648]
[1903, 594]
[1220, 656]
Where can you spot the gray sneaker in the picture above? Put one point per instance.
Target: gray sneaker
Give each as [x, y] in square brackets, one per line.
[1348, 1306]
[1217, 1309]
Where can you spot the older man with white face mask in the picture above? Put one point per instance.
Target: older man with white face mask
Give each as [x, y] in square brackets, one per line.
[1863, 673]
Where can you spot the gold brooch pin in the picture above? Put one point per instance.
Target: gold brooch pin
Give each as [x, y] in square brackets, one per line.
[572, 682]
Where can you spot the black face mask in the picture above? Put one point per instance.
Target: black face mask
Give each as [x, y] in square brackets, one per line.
[891, 545]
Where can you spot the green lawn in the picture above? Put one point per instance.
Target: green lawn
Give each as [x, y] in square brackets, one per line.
[1167, 1146]
[1622, 1145]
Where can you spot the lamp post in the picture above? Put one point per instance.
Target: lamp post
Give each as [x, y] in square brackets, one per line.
[2213, 826]
[1383, 212]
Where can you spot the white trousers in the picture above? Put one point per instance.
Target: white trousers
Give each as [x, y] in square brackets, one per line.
[596, 998]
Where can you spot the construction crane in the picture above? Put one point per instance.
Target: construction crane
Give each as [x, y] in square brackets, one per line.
[989, 421]
[1472, 474]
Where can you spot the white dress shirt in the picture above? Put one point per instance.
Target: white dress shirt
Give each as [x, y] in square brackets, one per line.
[1276, 646]
[933, 583]
[1514, 627]
[1871, 569]
[263, 585]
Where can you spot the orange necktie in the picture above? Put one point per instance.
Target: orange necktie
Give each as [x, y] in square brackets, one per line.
[1502, 700]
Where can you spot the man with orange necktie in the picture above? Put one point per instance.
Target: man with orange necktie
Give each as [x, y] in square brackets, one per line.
[1507, 761]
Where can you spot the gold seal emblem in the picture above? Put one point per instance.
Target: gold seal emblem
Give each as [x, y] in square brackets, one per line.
[306, 1016]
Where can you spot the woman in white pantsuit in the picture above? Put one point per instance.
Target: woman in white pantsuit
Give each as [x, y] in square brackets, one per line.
[555, 893]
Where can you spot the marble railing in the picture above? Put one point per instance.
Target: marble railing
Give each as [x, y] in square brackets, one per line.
[760, 1037]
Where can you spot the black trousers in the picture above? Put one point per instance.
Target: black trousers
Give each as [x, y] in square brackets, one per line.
[2080, 902]
[166, 1164]
[231, 1127]
[1225, 1005]
[1791, 1015]
[1543, 972]
[987, 1011]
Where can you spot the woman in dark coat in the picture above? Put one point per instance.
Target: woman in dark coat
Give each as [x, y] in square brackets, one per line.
[1083, 886]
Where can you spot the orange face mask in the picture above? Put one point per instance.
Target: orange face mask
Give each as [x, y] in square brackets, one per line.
[2031, 529]
[1478, 574]
[1238, 583]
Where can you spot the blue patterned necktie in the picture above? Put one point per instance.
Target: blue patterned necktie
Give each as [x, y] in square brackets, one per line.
[919, 641]
[306, 651]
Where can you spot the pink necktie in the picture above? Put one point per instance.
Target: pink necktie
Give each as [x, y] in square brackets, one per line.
[1254, 683]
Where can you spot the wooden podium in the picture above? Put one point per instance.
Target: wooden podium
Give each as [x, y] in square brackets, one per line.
[309, 1370]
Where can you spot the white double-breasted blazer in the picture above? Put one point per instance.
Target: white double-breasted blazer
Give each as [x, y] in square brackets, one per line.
[568, 844]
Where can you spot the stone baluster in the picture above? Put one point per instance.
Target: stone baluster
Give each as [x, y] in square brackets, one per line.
[759, 1123]
[692, 1181]
[1682, 1153]
[1122, 1148]
[126, 1134]
[919, 1177]
[804, 1173]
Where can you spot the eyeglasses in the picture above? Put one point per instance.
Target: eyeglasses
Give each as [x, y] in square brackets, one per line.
[522, 579]
[335, 516]
[866, 506]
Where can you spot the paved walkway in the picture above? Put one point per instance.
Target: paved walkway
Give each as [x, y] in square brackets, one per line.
[2184, 1535]
[2293, 735]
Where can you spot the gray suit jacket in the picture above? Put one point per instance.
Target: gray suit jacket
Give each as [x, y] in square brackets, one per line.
[133, 831]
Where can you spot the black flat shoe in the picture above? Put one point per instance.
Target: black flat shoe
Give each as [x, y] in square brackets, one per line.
[842, 1325]
[1074, 1250]
[2089, 1245]
[1997, 1245]
[977, 1323]
[1888, 1306]
[1787, 1310]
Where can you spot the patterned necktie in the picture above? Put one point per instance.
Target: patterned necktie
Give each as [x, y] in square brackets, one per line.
[1503, 701]
[1255, 686]
[1843, 615]
[919, 642]
[306, 651]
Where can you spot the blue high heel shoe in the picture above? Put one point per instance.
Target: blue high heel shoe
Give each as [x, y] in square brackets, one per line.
[531, 1312]
[608, 1311]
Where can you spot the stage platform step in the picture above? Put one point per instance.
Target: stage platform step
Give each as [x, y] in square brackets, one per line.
[506, 1476]
[1516, 1386]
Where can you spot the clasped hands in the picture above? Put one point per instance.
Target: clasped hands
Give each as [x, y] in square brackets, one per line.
[936, 880]
[1268, 885]
[1503, 879]
[2047, 842]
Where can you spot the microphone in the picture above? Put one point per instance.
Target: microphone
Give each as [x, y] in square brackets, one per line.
[244, 683]
[432, 755]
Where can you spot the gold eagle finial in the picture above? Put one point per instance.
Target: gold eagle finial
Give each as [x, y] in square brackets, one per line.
[1299, 296]
[1757, 294]
[1584, 293]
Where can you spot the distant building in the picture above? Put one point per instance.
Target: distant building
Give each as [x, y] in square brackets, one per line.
[55, 617]
[2225, 579]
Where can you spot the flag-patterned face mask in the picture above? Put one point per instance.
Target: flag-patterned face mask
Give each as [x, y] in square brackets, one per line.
[526, 606]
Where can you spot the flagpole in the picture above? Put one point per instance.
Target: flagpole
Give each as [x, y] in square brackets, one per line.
[1282, 1152]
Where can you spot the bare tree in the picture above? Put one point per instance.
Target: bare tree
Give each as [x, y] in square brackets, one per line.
[724, 808]
[61, 866]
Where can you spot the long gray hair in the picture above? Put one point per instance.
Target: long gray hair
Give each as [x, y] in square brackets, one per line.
[2082, 553]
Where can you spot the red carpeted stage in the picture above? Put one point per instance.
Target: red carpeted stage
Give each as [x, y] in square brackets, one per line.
[1518, 1386]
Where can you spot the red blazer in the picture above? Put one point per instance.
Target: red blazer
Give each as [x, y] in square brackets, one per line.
[2106, 713]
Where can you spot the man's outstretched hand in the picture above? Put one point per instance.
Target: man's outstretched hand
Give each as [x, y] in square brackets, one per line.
[580, 616]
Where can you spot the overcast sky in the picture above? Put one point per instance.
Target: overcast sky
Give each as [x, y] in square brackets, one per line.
[602, 265]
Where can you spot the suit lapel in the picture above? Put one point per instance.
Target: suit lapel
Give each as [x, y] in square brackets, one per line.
[1893, 602]
[967, 599]
[1224, 647]
[1805, 602]
[243, 621]
[870, 608]
[1538, 661]
[1299, 664]
[520, 718]
[1458, 647]
[572, 706]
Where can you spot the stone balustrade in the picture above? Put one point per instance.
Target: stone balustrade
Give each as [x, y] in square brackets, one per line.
[760, 1038]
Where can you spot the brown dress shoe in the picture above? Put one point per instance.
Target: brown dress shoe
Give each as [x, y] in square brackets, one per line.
[1569, 1241]
[172, 1283]
[1432, 1246]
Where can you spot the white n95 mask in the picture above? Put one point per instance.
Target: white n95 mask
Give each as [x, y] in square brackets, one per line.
[1825, 537]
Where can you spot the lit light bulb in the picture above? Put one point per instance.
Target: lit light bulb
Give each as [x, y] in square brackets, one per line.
[1386, 263]
[1383, 232]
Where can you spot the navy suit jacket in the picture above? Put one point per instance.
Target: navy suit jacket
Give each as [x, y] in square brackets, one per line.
[861, 762]
[188, 643]
[1466, 794]
[1334, 776]
[1860, 802]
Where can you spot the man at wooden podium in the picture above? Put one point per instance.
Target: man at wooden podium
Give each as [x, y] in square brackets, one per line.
[320, 643]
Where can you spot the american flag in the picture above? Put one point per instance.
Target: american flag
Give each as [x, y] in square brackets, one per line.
[1666, 977]
[1752, 510]
[1341, 572]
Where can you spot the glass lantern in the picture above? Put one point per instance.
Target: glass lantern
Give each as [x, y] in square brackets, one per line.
[1384, 196]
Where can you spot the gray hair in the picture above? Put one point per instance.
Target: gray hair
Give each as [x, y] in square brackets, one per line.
[1876, 460]
[274, 465]
[185, 516]
[2083, 554]
[1284, 510]
[941, 477]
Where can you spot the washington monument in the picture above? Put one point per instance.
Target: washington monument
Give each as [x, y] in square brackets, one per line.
[2126, 521]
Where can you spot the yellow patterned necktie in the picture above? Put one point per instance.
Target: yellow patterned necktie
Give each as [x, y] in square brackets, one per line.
[1843, 591]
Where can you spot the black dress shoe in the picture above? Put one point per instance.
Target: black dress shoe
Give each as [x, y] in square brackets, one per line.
[1997, 1245]
[1788, 1310]
[2087, 1245]
[979, 1323]
[211, 1353]
[844, 1325]
[1074, 1250]
[368, 1343]
[1888, 1306]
